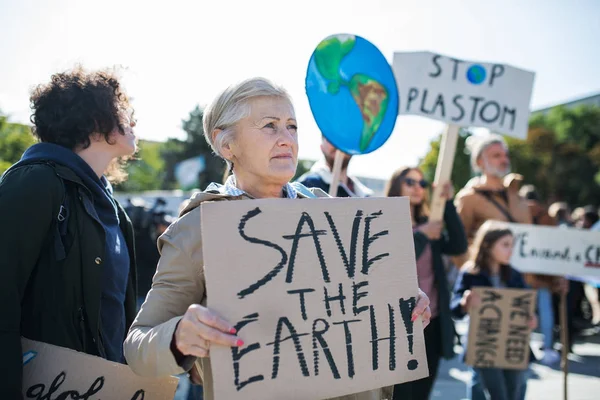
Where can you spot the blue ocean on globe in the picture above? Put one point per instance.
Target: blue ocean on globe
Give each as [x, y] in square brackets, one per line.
[352, 93]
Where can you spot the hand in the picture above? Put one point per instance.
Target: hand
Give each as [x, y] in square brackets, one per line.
[470, 299]
[433, 230]
[448, 191]
[560, 285]
[422, 309]
[533, 322]
[199, 328]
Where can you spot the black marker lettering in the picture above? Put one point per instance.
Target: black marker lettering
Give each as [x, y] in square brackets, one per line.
[340, 297]
[306, 219]
[237, 354]
[459, 106]
[476, 101]
[423, 101]
[368, 241]
[349, 263]
[276, 343]
[302, 300]
[356, 295]
[439, 102]
[497, 72]
[455, 70]
[273, 273]
[511, 112]
[435, 60]
[495, 114]
[318, 340]
[413, 93]
[348, 336]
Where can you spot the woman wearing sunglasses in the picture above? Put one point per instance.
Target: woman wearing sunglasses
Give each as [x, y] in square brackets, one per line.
[431, 241]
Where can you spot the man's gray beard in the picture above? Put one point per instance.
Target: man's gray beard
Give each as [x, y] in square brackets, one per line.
[498, 173]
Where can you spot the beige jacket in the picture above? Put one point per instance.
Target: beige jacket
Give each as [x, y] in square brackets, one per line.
[179, 282]
[475, 209]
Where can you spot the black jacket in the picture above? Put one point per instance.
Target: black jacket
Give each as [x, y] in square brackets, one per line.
[452, 242]
[51, 271]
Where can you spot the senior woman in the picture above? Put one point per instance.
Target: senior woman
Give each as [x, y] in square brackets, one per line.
[253, 127]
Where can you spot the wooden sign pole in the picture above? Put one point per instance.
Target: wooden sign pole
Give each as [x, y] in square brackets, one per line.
[336, 171]
[564, 338]
[443, 171]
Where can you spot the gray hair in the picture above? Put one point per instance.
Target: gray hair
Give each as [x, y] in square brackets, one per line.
[477, 145]
[231, 106]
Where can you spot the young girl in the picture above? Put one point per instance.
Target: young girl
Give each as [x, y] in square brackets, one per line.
[490, 267]
[430, 244]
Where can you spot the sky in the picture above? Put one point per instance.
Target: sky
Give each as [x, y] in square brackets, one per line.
[178, 54]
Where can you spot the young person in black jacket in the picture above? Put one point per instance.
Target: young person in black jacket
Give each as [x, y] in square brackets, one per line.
[430, 244]
[67, 266]
[489, 267]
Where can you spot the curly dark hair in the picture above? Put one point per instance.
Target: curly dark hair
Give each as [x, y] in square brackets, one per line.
[76, 104]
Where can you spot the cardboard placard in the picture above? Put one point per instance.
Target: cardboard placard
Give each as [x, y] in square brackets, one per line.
[321, 291]
[464, 93]
[555, 250]
[52, 372]
[498, 328]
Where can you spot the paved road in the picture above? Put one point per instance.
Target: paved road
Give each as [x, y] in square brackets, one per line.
[544, 383]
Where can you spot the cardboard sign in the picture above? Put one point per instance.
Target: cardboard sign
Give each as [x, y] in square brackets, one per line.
[555, 251]
[321, 291]
[498, 328]
[464, 93]
[52, 372]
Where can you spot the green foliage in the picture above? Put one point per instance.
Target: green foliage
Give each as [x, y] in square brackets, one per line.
[561, 156]
[146, 172]
[175, 151]
[14, 140]
[461, 171]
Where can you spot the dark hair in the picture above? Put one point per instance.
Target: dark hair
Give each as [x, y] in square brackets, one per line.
[591, 214]
[485, 239]
[394, 189]
[76, 104]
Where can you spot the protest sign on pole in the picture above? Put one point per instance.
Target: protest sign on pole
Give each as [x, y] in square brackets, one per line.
[555, 251]
[52, 372]
[353, 97]
[498, 329]
[321, 292]
[462, 93]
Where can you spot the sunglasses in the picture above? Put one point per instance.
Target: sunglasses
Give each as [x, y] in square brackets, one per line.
[412, 182]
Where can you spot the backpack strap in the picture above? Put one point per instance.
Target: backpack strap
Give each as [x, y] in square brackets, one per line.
[492, 200]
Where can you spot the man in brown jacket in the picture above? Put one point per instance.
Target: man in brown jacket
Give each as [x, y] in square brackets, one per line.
[492, 196]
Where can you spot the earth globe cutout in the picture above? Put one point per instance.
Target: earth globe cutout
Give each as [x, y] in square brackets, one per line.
[352, 93]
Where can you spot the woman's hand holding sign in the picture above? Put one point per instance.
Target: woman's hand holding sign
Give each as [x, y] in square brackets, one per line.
[200, 327]
[422, 309]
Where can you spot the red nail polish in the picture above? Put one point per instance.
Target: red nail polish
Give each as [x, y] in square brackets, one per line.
[414, 318]
[232, 331]
[239, 343]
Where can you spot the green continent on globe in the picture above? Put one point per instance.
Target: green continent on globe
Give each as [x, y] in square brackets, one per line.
[328, 57]
[372, 100]
[370, 96]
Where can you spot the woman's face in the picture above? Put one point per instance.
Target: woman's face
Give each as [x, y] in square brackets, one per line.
[413, 187]
[502, 250]
[265, 144]
[124, 144]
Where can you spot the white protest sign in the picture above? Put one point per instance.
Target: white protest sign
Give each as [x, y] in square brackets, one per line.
[52, 372]
[555, 251]
[321, 291]
[464, 93]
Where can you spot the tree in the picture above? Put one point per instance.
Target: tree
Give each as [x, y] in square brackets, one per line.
[194, 145]
[147, 170]
[14, 140]
[561, 156]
